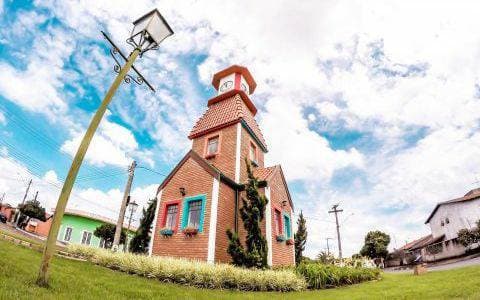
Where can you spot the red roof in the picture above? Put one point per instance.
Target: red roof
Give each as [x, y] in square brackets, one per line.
[267, 173]
[263, 174]
[224, 113]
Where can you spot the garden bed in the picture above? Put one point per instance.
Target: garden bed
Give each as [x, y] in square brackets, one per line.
[193, 273]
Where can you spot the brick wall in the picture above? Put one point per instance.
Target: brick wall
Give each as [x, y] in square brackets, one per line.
[281, 252]
[225, 159]
[225, 220]
[196, 181]
[244, 152]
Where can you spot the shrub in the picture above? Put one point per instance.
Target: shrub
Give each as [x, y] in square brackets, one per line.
[191, 272]
[320, 276]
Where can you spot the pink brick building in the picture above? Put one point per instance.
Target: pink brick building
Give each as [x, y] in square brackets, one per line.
[203, 192]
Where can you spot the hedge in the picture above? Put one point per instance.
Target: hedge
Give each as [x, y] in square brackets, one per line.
[321, 276]
[191, 272]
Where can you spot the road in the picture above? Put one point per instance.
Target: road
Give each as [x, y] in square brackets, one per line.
[465, 262]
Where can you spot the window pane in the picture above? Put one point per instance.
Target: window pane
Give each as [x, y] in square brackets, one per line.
[68, 234]
[171, 220]
[194, 210]
[212, 147]
[253, 152]
[287, 226]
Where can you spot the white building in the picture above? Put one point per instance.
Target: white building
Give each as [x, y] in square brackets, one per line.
[446, 220]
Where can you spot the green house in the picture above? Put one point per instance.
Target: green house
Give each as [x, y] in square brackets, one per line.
[78, 226]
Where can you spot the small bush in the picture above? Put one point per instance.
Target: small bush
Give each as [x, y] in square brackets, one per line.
[320, 276]
[194, 273]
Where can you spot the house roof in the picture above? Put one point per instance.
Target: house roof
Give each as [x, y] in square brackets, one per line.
[263, 173]
[267, 173]
[228, 109]
[471, 195]
[425, 241]
[89, 215]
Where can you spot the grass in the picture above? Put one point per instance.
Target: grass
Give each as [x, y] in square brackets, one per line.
[83, 280]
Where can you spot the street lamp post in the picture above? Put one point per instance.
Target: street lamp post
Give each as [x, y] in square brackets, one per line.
[133, 208]
[148, 32]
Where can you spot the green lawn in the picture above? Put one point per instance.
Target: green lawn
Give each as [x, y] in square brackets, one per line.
[81, 280]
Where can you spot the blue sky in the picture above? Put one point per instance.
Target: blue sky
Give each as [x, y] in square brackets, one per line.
[360, 106]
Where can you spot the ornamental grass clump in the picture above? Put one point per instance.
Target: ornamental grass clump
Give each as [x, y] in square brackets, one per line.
[321, 276]
[194, 273]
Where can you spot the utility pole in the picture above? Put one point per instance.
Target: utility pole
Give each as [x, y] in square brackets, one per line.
[121, 215]
[336, 211]
[17, 216]
[36, 195]
[328, 247]
[132, 210]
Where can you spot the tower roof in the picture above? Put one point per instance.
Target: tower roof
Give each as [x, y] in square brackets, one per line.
[225, 113]
[235, 69]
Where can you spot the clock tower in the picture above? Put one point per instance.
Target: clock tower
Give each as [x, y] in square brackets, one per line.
[234, 78]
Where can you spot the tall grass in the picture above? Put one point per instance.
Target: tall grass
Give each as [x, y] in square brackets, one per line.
[194, 273]
[321, 276]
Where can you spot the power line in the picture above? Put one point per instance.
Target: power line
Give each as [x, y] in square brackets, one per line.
[153, 171]
[43, 138]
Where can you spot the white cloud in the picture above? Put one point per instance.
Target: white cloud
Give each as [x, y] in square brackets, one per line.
[113, 144]
[51, 176]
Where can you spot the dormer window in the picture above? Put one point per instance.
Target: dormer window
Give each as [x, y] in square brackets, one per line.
[447, 220]
[253, 153]
[212, 146]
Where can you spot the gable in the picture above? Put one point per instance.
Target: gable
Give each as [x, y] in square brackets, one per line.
[201, 162]
[276, 180]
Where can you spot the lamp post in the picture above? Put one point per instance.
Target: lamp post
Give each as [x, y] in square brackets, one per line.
[133, 208]
[148, 32]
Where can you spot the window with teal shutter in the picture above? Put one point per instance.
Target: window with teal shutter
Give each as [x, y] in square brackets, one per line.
[194, 212]
[287, 226]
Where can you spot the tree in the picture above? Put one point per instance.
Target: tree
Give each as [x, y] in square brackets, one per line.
[300, 238]
[141, 240]
[466, 237]
[325, 258]
[106, 232]
[376, 243]
[252, 213]
[31, 209]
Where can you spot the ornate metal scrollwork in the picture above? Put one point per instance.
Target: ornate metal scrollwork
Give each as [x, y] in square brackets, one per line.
[114, 53]
[117, 67]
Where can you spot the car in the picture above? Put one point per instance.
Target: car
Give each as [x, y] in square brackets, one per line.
[3, 218]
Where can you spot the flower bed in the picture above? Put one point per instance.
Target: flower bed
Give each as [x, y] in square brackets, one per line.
[320, 276]
[194, 273]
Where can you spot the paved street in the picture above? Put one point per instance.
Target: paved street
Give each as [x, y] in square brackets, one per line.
[447, 265]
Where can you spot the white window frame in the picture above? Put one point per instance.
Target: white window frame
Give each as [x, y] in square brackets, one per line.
[65, 233]
[90, 241]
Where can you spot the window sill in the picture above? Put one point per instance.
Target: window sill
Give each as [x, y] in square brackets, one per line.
[208, 156]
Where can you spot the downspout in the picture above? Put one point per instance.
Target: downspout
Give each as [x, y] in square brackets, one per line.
[236, 210]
